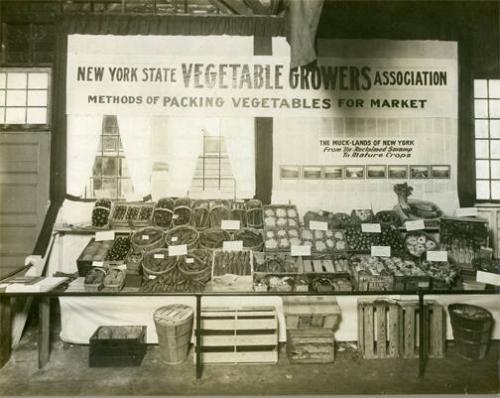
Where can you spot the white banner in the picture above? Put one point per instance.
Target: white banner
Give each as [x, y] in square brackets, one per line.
[141, 77]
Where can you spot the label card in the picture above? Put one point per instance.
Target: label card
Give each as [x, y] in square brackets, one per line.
[318, 225]
[177, 250]
[174, 239]
[381, 251]
[158, 255]
[466, 212]
[423, 284]
[97, 263]
[190, 260]
[414, 225]
[104, 235]
[175, 216]
[370, 227]
[298, 250]
[230, 224]
[437, 255]
[488, 277]
[232, 245]
[152, 277]
[122, 266]
[145, 237]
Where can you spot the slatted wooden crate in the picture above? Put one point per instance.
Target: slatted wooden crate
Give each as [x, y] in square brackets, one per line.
[239, 335]
[313, 345]
[410, 329]
[308, 311]
[379, 328]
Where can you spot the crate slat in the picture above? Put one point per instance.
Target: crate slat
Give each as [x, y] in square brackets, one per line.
[240, 357]
[315, 345]
[239, 340]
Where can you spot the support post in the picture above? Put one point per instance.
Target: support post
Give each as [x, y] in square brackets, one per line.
[198, 337]
[43, 331]
[421, 335]
[5, 330]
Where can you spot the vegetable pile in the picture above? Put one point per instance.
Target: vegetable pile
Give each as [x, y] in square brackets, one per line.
[182, 235]
[232, 262]
[95, 276]
[148, 237]
[254, 216]
[201, 214]
[417, 243]
[213, 238]
[158, 261]
[115, 278]
[173, 281]
[182, 212]
[324, 241]
[251, 239]
[96, 250]
[282, 238]
[120, 249]
[163, 212]
[280, 216]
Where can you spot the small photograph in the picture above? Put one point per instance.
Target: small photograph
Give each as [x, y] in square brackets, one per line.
[398, 172]
[441, 171]
[289, 172]
[419, 172]
[376, 171]
[354, 172]
[333, 172]
[311, 172]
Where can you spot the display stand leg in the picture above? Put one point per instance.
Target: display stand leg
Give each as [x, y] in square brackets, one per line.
[43, 331]
[421, 335]
[198, 337]
[5, 330]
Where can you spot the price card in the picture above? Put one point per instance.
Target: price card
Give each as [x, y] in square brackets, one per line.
[97, 263]
[437, 255]
[104, 235]
[158, 255]
[318, 225]
[177, 250]
[414, 225]
[381, 251]
[370, 227]
[175, 216]
[423, 284]
[190, 260]
[232, 245]
[488, 277]
[122, 266]
[174, 239]
[466, 212]
[298, 250]
[152, 277]
[230, 224]
[145, 237]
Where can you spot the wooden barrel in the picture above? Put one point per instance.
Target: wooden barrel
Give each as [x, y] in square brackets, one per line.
[174, 325]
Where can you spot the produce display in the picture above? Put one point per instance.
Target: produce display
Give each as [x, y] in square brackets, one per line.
[415, 208]
[133, 213]
[156, 262]
[281, 216]
[201, 214]
[276, 263]
[324, 241]
[276, 283]
[254, 216]
[133, 261]
[174, 281]
[443, 274]
[213, 238]
[197, 265]
[100, 212]
[417, 243]
[182, 235]
[232, 262]
[360, 241]
[119, 332]
[388, 217]
[120, 249]
[219, 210]
[182, 212]
[147, 238]
[114, 280]
[95, 277]
[252, 239]
[281, 239]
[238, 212]
[163, 213]
[362, 216]
[96, 250]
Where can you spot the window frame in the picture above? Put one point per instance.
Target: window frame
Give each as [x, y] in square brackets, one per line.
[488, 139]
[30, 127]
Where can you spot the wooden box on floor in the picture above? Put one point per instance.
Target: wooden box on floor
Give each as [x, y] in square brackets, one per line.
[379, 324]
[238, 335]
[308, 311]
[313, 345]
[434, 329]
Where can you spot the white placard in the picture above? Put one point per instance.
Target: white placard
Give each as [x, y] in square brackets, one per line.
[488, 277]
[189, 260]
[230, 224]
[97, 263]
[175, 216]
[414, 225]
[152, 277]
[318, 225]
[381, 251]
[437, 255]
[174, 239]
[145, 237]
[177, 250]
[232, 245]
[298, 250]
[104, 235]
[122, 266]
[158, 255]
[423, 284]
[466, 212]
[370, 227]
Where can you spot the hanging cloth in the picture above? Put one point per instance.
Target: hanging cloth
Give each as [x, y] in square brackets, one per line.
[84, 132]
[135, 133]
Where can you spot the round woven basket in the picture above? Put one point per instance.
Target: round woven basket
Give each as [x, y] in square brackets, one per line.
[222, 234]
[162, 211]
[191, 243]
[197, 256]
[140, 244]
[178, 219]
[255, 248]
[149, 260]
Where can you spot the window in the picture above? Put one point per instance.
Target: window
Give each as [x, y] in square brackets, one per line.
[110, 175]
[213, 175]
[487, 138]
[24, 96]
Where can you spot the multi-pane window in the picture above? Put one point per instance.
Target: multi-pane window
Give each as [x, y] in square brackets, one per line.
[110, 175]
[24, 96]
[213, 174]
[487, 138]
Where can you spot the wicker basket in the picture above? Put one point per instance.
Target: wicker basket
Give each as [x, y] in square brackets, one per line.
[178, 219]
[116, 286]
[151, 258]
[255, 214]
[171, 236]
[162, 211]
[200, 256]
[140, 244]
[255, 248]
[224, 235]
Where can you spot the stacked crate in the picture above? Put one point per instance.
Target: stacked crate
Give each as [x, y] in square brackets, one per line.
[310, 323]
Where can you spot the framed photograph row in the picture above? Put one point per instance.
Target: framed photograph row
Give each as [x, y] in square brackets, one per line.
[361, 172]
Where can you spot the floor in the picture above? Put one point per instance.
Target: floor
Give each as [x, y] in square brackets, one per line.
[68, 374]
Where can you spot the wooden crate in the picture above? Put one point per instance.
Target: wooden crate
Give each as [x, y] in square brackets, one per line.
[410, 329]
[308, 311]
[379, 324]
[313, 345]
[239, 335]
